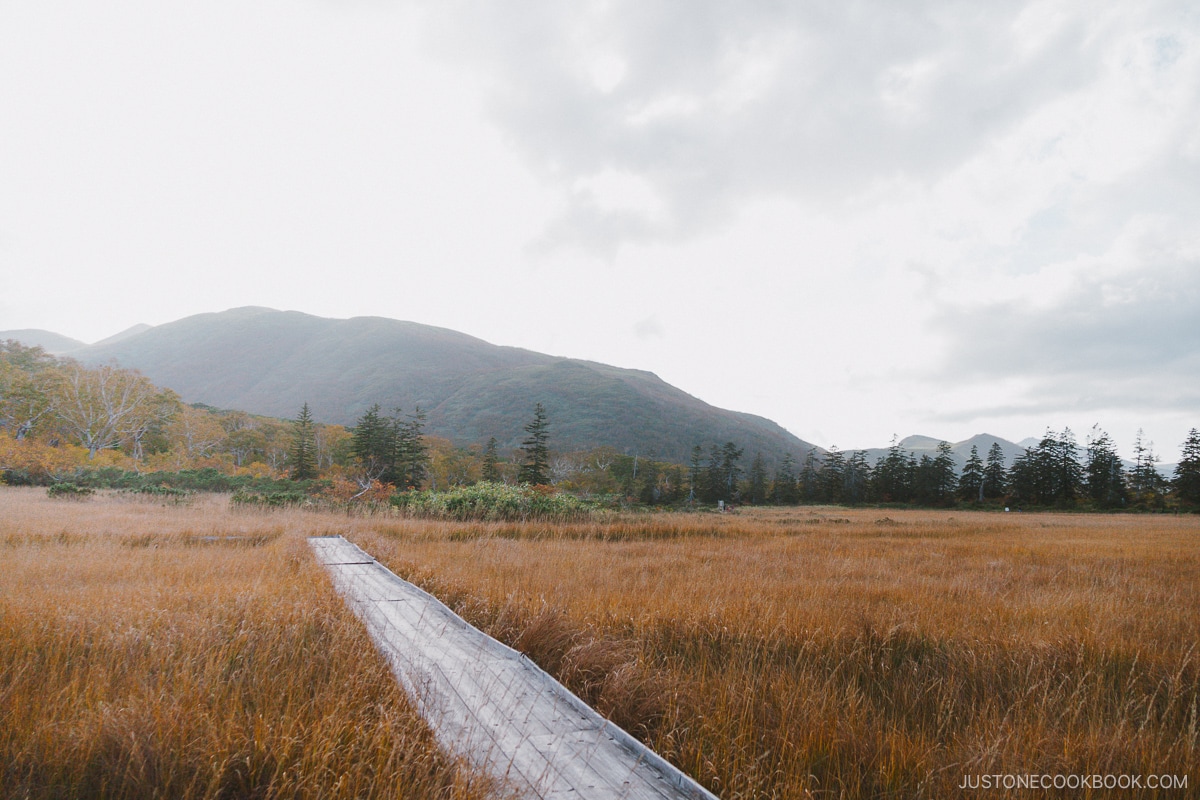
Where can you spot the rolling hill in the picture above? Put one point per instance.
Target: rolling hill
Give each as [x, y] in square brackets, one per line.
[271, 362]
[51, 342]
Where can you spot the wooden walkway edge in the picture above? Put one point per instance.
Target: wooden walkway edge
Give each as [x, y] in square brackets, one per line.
[492, 705]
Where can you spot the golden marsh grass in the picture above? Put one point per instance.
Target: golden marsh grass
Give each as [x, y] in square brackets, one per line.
[151, 652]
[812, 652]
[852, 653]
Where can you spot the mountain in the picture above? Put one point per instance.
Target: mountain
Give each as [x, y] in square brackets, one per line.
[50, 342]
[927, 446]
[125, 334]
[271, 362]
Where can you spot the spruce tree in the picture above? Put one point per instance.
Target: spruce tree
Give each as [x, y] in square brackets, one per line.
[373, 445]
[1104, 474]
[1020, 478]
[970, 483]
[1068, 482]
[1144, 481]
[832, 477]
[783, 489]
[756, 491]
[994, 471]
[304, 447]
[893, 477]
[412, 454]
[730, 471]
[491, 465]
[696, 474]
[945, 474]
[1187, 472]
[714, 485]
[535, 469]
[809, 485]
[856, 478]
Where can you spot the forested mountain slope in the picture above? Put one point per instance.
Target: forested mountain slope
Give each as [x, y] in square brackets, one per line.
[271, 362]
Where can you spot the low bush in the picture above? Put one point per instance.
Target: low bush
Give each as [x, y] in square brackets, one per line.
[286, 498]
[162, 492]
[494, 502]
[69, 491]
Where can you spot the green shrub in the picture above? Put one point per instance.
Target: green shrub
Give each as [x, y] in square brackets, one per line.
[69, 491]
[162, 492]
[493, 501]
[270, 499]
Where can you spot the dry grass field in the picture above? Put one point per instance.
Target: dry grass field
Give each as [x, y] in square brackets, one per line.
[812, 652]
[852, 653]
[190, 652]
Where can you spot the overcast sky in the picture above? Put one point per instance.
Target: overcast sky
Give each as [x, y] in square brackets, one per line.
[855, 218]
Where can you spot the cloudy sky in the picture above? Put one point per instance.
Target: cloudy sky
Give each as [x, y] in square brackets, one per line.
[856, 218]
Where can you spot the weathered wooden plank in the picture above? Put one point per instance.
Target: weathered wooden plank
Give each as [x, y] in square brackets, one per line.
[492, 705]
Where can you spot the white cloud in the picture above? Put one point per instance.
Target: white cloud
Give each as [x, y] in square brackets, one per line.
[838, 211]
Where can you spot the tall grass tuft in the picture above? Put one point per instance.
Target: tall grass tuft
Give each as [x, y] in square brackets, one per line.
[493, 501]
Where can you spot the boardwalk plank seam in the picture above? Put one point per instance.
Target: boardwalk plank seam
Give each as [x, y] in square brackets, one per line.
[491, 704]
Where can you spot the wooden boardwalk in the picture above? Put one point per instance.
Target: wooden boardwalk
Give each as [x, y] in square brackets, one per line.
[492, 705]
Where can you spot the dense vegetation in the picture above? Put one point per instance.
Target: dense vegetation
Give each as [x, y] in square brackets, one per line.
[104, 427]
[1055, 472]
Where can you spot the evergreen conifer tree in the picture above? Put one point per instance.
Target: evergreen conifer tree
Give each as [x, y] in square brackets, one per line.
[1144, 481]
[756, 491]
[304, 447]
[1022, 479]
[994, 472]
[856, 478]
[809, 485]
[373, 445]
[783, 489]
[970, 483]
[696, 474]
[412, 454]
[491, 462]
[832, 477]
[893, 478]
[944, 475]
[714, 485]
[1068, 480]
[1187, 472]
[730, 471]
[925, 481]
[1104, 474]
[535, 469]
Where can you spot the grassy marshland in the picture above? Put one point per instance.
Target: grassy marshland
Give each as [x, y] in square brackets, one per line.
[792, 653]
[852, 653]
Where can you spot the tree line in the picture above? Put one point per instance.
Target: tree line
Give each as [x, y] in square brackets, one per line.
[1055, 472]
[58, 416]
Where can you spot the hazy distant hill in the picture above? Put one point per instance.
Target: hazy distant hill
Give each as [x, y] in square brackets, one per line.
[270, 362]
[47, 340]
[125, 334]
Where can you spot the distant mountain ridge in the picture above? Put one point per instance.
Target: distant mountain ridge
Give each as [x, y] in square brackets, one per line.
[54, 343]
[271, 362]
